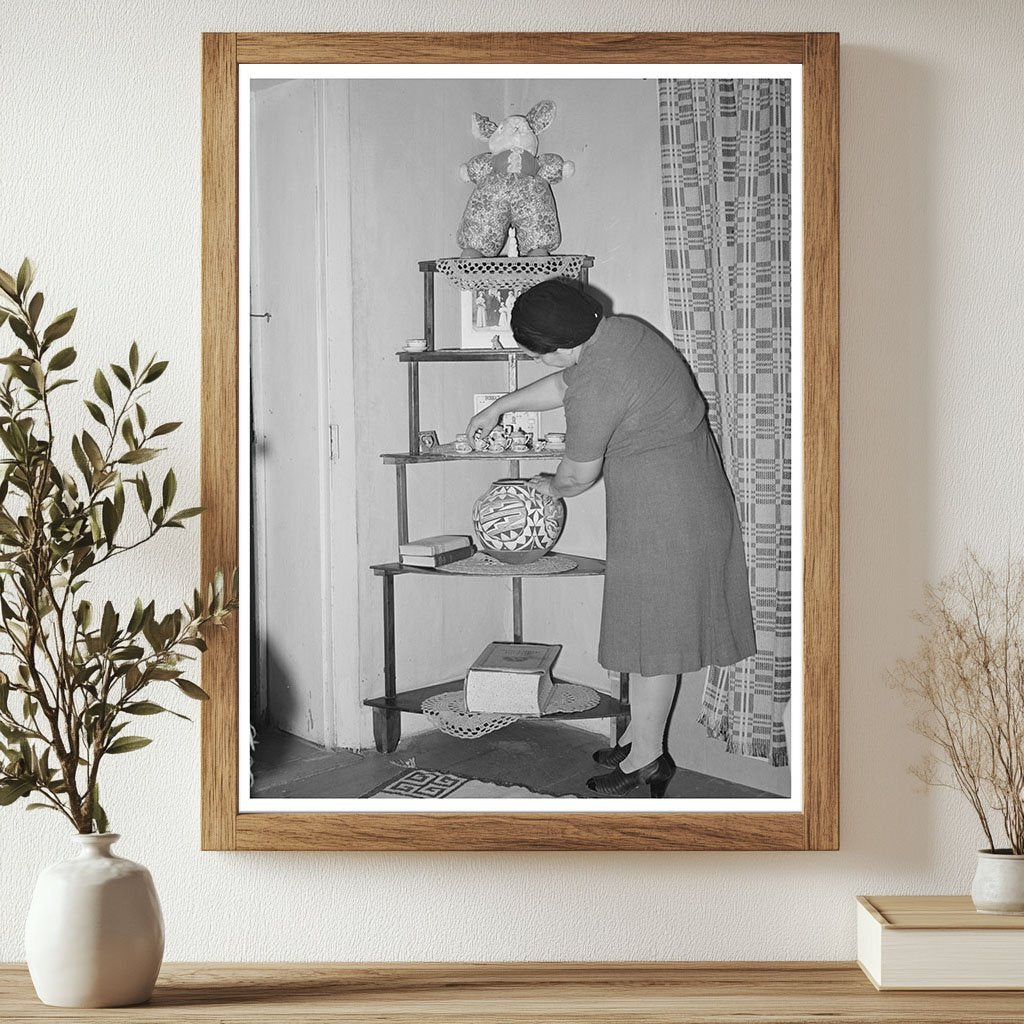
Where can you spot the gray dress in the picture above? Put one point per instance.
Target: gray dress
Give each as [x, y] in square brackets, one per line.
[676, 596]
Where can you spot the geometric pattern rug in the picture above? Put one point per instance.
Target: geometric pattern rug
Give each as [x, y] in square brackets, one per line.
[420, 784]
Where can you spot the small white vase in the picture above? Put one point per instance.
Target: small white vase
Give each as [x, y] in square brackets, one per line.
[999, 883]
[95, 933]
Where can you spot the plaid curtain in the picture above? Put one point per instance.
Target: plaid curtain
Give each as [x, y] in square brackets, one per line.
[725, 167]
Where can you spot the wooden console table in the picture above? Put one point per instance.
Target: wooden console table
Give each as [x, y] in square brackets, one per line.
[658, 993]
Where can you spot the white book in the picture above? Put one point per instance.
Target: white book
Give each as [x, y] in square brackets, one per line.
[435, 545]
[511, 679]
[938, 942]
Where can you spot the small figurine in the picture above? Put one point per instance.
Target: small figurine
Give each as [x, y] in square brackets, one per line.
[513, 187]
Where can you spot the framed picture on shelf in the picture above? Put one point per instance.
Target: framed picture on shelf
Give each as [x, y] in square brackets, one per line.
[529, 422]
[335, 721]
[486, 317]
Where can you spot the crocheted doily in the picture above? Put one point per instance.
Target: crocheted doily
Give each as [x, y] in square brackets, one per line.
[486, 565]
[520, 272]
[447, 711]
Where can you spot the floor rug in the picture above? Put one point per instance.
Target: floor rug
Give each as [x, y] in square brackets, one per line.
[420, 784]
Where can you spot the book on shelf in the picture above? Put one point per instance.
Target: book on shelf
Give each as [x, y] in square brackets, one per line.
[435, 545]
[442, 558]
[512, 679]
[938, 942]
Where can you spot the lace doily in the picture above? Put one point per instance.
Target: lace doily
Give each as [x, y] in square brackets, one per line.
[447, 711]
[520, 272]
[481, 564]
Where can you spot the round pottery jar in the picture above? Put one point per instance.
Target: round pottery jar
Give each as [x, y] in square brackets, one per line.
[516, 523]
[95, 933]
[998, 886]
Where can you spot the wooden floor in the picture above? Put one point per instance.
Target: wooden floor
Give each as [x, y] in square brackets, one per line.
[551, 758]
[618, 993]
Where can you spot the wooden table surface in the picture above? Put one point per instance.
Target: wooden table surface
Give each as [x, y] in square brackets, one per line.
[659, 993]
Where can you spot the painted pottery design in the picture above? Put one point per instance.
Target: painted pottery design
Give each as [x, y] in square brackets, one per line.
[516, 523]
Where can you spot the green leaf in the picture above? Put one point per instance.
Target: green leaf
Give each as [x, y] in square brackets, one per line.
[63, 359]
[140, 415]
[80, 459]
[109, 521]
[15, 790]
[185, 513]
[165, 428]
[26, 273]
[145, 497]
[154, 371]
[191, 690]
[121, 374]
[133, 358]
[60, 326]
[126, 744]
[132, 458]
[99, 816]
[8, 284]
[92, 449]
[96, 412]
[20, 329]
[34, 308]
[102, 388]
[147, 707]
[108, 627]
[128, 433]
[170, 488]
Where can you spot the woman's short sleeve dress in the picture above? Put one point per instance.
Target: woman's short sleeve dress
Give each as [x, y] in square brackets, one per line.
[676, 595]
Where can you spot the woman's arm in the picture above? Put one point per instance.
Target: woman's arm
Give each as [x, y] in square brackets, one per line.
[571, 478]
[541, 395]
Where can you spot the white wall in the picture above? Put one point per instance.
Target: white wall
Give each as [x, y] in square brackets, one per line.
[103, 189]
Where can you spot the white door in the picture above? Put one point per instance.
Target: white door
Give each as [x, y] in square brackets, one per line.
[295, 527]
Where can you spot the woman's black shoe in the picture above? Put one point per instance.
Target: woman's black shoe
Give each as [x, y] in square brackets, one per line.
[612, 757]
[658, 774]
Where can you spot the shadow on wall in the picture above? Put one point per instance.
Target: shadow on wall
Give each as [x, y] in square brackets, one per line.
[889, 269]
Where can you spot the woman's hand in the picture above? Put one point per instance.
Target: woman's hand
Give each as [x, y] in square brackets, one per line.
[544, 483]
[483, 422]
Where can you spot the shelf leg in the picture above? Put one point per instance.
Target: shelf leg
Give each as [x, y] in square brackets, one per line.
[387, 724]
[402, 490]
[414, 408]
[517, 609]
[622, 720]
[428, 309]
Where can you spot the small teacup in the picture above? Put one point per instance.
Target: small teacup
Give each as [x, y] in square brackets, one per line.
[415, 345]
[462, 445]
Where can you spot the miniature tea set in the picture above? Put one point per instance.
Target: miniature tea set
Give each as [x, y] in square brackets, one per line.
[506, 438]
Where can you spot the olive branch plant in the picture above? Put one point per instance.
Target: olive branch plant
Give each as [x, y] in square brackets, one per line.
[80, 674]
[966, 681]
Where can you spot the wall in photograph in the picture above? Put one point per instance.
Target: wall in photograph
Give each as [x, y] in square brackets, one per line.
[105, 192]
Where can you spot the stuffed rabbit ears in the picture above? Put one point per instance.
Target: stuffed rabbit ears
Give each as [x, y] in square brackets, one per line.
[539, 118]
[483, 127]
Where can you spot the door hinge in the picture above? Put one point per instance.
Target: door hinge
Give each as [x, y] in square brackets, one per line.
[334, 437]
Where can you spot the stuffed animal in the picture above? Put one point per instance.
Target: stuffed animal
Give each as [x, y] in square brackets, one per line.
[513, 186]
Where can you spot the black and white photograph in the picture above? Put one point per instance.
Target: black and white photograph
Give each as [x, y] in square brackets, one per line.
[522, 463]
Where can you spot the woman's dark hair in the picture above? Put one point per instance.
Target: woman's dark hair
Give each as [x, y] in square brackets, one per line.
[554, 314]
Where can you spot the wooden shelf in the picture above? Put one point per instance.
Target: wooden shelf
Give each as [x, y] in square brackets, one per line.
[463, 355]
[412, 701]
[522, 993]
[584, 567]
[405, 459]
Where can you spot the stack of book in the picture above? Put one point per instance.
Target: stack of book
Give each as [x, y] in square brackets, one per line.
[430, 552]
[512, 679]
[938, 942]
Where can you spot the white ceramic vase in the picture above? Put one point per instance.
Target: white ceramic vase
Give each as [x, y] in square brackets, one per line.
[998, 886]
[95, 934]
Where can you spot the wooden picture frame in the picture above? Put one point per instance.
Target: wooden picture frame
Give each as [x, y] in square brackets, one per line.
[816, 826]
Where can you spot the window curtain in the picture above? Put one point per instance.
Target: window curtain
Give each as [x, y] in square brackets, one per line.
[725, 160]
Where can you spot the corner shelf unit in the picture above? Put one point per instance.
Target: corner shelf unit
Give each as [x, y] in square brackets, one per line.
[389, 708]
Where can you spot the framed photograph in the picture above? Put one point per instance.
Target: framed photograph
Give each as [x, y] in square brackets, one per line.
[486, 317]
[680, 554]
